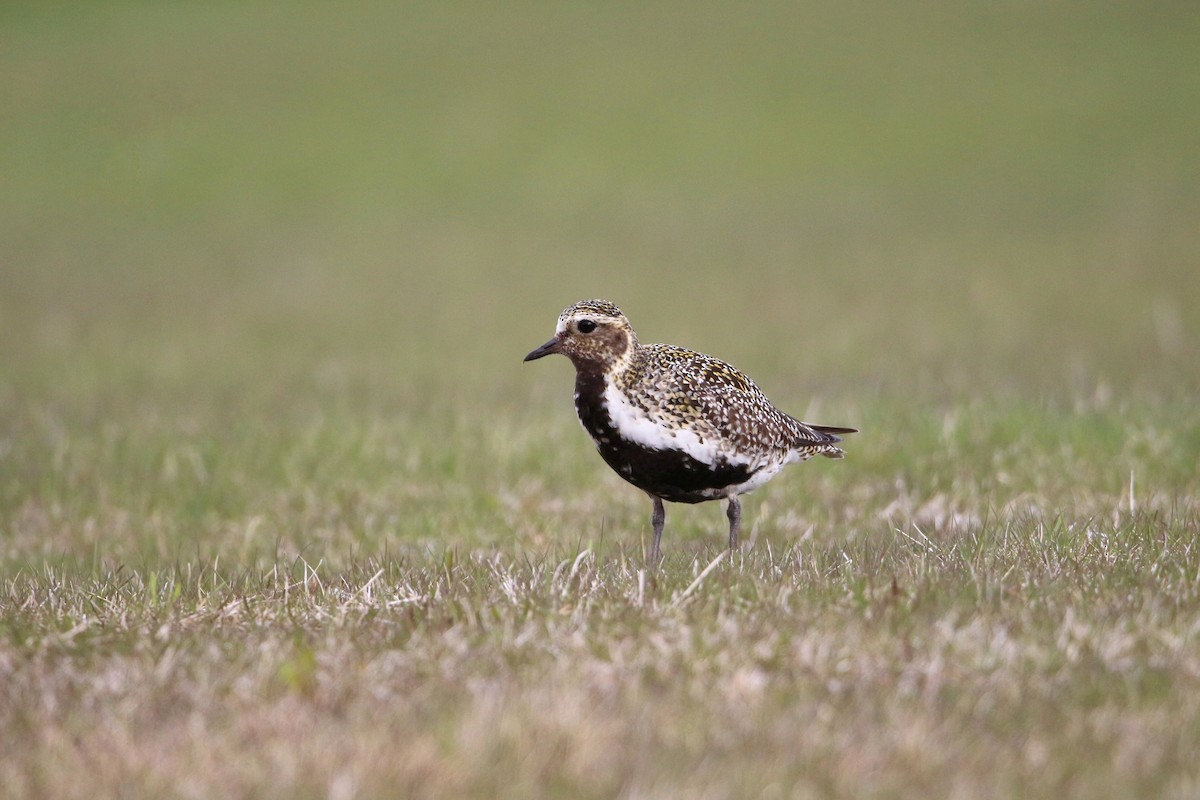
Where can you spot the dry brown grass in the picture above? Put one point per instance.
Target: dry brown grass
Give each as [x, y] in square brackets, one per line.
[1026, 659]
[282, 514]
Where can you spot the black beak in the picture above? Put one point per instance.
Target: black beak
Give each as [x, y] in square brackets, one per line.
[547, 349]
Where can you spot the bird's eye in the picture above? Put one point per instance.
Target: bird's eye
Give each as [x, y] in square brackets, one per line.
[586, 326]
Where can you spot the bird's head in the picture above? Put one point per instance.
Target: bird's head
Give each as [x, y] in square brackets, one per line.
[593, 334]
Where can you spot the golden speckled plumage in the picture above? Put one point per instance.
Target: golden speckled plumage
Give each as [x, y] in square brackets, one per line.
[680, 425]
[683, 388]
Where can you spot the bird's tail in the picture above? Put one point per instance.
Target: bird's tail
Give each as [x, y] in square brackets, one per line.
[831, 450]
[832, 430]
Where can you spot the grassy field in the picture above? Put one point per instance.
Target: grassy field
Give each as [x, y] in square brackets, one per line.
[282, 513]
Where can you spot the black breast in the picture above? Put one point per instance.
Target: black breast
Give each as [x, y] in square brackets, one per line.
[670, 474]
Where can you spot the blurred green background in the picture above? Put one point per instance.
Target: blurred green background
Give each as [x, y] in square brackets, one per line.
[386, 201]
[267, 275]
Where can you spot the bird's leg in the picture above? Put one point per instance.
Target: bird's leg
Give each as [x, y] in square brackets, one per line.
[734, 512]
[656, 520]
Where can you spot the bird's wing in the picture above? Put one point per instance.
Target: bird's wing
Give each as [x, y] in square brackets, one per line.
[720, 401]
[713, 398]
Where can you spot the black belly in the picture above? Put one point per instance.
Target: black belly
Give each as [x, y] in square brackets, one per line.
[670, 474]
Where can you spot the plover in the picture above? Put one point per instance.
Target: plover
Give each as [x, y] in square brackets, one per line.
[679, 425]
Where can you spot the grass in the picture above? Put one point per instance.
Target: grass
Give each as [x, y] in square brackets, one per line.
[283, 514]
[1029, 659]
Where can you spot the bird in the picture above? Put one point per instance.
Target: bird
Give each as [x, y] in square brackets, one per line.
[682, 426]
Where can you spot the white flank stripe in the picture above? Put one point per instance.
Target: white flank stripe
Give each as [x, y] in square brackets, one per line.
[637, 426]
